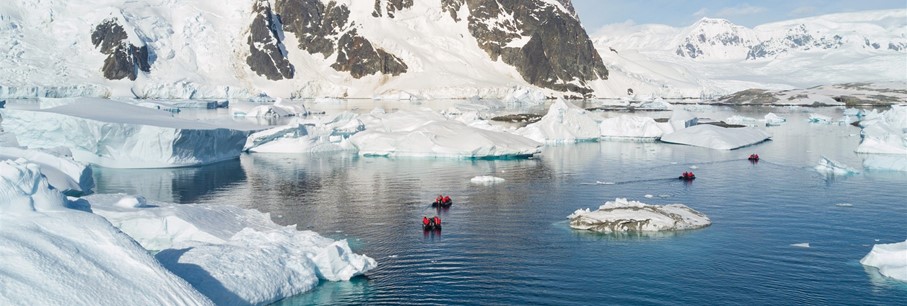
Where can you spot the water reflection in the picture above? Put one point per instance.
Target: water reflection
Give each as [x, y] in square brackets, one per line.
[179, 185]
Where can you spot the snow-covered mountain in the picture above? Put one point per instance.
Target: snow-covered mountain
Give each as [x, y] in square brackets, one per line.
[294, 48]
[716, 56]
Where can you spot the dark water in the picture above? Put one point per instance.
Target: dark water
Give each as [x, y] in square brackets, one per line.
[510, 243]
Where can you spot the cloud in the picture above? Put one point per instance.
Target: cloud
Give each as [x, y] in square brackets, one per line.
[740, 10]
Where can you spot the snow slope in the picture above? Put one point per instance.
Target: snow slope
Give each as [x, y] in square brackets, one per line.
[714, 57]
[232, 255]
[54, 255]
[198, 49]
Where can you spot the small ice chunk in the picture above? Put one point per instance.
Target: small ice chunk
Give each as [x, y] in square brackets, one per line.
[132, 202]
[831, 167]
[486, 180]
[772, 119]
[622, 215]
[800, 245]
[844, 205]
[649, 196]
[816, 118]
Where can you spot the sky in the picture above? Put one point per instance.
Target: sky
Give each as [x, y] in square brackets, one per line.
[596, 13]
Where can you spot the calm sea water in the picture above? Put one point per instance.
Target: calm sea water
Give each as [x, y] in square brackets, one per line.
[510, 244]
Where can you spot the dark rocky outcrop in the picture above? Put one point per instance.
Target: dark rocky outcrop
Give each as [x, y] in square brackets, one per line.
[324, 28]
[268, 56]
[124, 60]
[391, 7]
[558, 54]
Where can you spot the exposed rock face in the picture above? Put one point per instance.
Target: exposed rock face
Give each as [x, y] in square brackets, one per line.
[268, 56]
[123, 58]
[324, 28]
[390, 6]
[543, 39]
[798, 38]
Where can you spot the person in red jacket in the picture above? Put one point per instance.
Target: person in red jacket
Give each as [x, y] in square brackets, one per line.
[424, 221]
[446, 199]
[437, 221]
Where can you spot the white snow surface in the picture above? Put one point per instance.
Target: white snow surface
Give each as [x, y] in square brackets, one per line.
[887, 162]
[230, 254]
[121, 135]
[718, 138]
[653, 59]
[831, 167]
[885, 133]
[427, 133]
[54, 255]
[889, 258]
[622, 215]
[630, 127]
[62, 172]
[486, 180]
[564, 123]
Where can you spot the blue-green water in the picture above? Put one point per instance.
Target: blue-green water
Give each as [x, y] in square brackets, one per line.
[510, 244]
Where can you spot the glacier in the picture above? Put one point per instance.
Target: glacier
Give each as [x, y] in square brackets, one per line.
[622, 215]
[121, 135]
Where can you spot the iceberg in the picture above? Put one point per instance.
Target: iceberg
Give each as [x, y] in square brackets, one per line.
[426, 133]
[831, 167]
[884, 133]
[885, 162]
[230, 254]
[630, 127]
[564, 123]
[63, 173]
[746, 121]
[655, 104]
[680, 119]
[773, 120]
[718, 138]
[622, 215]
[816, 118]
[121, 135]
[486, 180]
[306, 136]
[890, 259]
[55, 255]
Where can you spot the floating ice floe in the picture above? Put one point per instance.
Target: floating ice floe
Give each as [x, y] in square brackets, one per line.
[120, 135]
[54, 255]
[773, 120]
[890, 259]
[230, 254]
[63, 173]
[622, 215]
[655, 104]
[817, 118]
[427, 133]
[715, 137]
[746, 121]
[800, 245]
[307, 136]
[831, 167]
[278, 109]
[631, 127]
[564, 123]
[486, 180]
